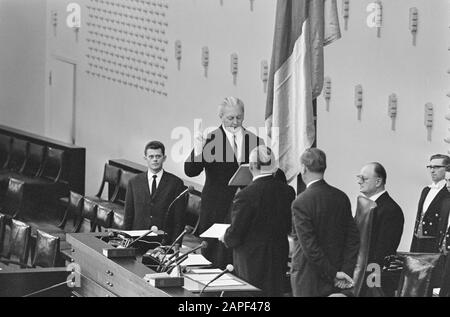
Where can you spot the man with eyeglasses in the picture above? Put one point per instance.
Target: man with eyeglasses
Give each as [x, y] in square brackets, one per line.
[445, 239]
[388, 219]
[149, 194]
[434, 205]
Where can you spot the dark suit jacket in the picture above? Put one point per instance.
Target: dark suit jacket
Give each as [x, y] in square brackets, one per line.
[220, 164]
[387, 229]
[142, 212]
[260, 223]
[434, 221]
[326, 239]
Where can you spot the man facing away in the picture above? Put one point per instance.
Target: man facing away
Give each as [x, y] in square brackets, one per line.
[260, 224]
[326, 239]
[149, 195]
[433, 208]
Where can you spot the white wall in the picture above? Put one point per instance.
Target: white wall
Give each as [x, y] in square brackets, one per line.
[383, 66]
[116, 122]
[22, 64]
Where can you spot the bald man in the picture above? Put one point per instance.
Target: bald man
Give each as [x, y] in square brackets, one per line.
[260, 223]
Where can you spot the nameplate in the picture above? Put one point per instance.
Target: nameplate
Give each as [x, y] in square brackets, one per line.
[119, 252]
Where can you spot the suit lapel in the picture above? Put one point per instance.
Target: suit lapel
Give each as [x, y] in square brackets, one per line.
[422, 199]
[146, 188]
[161, 185]
[437, 198]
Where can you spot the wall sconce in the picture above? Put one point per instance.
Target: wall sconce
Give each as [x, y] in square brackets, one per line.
[327, 91]
[54, 20]
[205, 59]
[178, 53]
[392, 109]
[379, 17]
[413, 23]
[234, 65]
[265, 74]
[252, 3]
[346, 12]
[429, 119]
[359, 100]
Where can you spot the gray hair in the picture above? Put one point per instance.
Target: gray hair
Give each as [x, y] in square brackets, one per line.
[230, 102]
[263, 157]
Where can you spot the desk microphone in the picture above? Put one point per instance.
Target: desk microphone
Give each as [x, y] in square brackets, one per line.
[154, 229]
[190, 190]
[228, 269]
[179, 260]
[187, 229]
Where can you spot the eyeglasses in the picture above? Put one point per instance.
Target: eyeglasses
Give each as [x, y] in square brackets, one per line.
[432, 167]
[361, 178]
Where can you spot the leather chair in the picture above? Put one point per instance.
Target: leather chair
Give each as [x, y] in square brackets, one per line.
[15, 163]
[193, 202]
[104, 217]
[5, 148]
[16, 249]
[46, 251]
[118, 221]
[3, 222]
[13, 204]
[73, 210]
[89, 212]
[111, 176]
[416, 279]
[364, 222]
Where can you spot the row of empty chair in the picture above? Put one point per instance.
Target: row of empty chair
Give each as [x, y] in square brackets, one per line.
[17, 243]
[35, 171]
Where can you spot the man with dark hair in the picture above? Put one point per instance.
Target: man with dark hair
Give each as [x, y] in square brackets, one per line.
[149, 194]
[445, 239]
[433, 208]
[260, 224]
[388, 219]
[219, 156]
[326, 239]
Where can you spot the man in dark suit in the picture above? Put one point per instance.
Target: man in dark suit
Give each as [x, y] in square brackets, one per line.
[388, 220]
[149, 195]
[326, 239]
[219, 155]
[445, 239]
[433, 209]
[260, 223]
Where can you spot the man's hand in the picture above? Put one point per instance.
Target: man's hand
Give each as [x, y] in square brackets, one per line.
[199, 143]
[343, 281]
[222, 238]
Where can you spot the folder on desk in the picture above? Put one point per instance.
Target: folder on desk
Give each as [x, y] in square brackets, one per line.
[242, 177]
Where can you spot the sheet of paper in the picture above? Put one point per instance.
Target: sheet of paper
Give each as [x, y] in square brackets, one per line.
[209, 277]
[215, 231]
[228, 282]
[138, 233]
[206, 271]
[195, 260]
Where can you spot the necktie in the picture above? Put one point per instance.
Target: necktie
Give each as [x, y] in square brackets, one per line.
[154, 186]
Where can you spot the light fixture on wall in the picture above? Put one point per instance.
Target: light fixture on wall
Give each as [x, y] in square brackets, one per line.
[264, 74]
[359, 100]
[346, 12]
[413, 23]
[392, 110]
[234, 66]
[379, 17]
[221, 2]
[252, 5]
[429, 119]
[327, 91]
[54, 20]
[205, 60]
[178, 53]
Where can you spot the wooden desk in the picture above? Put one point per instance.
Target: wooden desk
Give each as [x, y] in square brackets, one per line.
[112, 277]
[102, 277]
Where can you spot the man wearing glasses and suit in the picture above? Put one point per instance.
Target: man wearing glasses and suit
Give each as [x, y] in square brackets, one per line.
[433, 209]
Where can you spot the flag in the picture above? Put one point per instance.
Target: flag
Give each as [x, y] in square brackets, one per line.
[302, 28]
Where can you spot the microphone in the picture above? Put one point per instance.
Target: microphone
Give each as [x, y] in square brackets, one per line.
[177, 261]
[190, 190]
[154, 229]
[187, 229]
[228, 269]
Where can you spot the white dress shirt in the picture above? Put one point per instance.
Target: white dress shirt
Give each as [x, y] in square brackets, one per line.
[261, 175]
[312, 182]
[150, 179]
[376, 196]
[239, 141]
[434, 190]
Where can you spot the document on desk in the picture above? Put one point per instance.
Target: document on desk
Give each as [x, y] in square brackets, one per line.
[138, 233]
[216, 231]
[195, 260]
